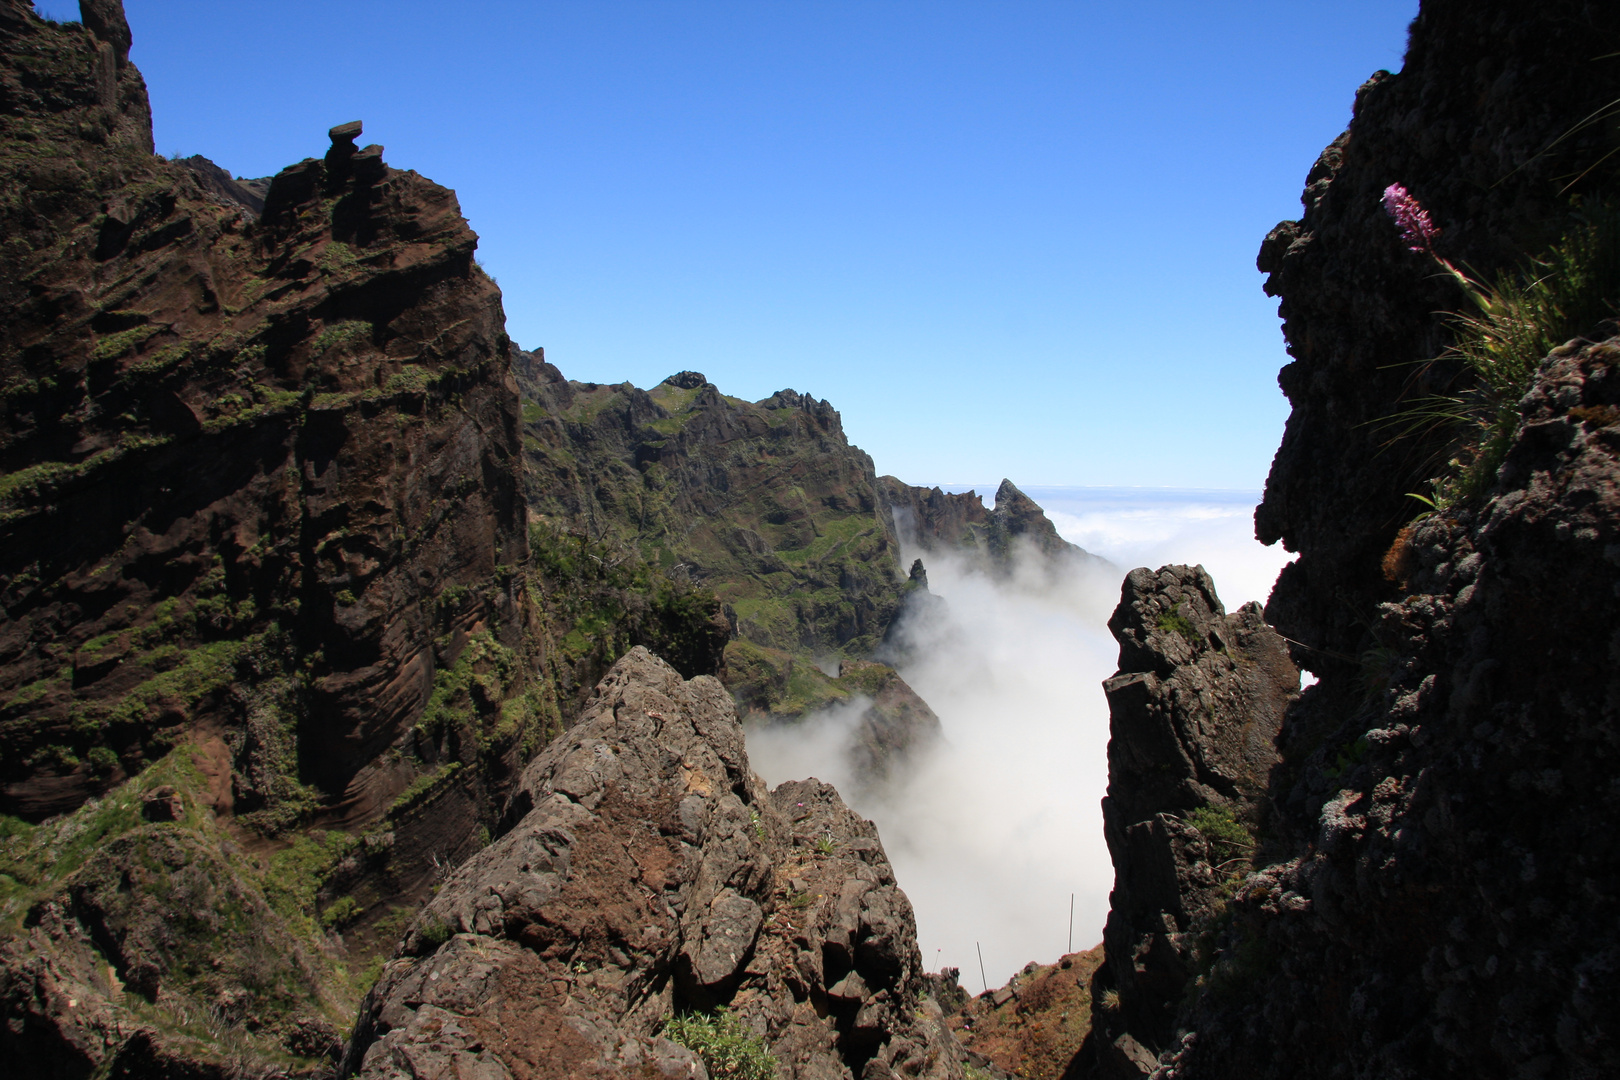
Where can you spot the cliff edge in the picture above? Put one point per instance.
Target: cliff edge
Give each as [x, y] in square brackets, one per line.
[1426, 884]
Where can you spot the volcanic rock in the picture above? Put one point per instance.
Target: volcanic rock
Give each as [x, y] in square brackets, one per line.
[650, 873]
[1194, 711]
[1433, 892]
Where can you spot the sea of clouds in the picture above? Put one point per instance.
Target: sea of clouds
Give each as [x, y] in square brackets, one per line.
[995, 834]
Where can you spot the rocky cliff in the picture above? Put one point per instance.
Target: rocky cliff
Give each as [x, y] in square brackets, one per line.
[1427, 887]
[994, 539]
[273, 646]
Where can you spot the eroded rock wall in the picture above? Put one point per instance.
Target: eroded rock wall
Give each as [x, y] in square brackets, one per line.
[263, 543]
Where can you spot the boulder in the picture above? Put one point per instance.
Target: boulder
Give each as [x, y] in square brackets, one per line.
[649, 872]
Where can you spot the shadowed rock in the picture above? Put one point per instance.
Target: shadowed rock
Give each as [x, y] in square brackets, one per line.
[1194, 711]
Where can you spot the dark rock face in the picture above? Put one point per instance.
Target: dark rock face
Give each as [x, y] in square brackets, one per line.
[1435, 889]
[1446, 902]
[222, 185]
[1193, 714]
[264, 575]
[1486, 125]
[651, 872]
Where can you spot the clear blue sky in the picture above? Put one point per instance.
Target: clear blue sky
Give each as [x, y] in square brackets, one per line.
[1004, 238]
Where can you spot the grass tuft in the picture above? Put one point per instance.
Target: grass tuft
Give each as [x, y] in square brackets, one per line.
[1516, 321]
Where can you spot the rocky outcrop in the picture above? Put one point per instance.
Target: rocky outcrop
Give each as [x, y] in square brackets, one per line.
[933, 520]
[1491, 124]
[649, 873]
[1434, 893]
[1194, 711]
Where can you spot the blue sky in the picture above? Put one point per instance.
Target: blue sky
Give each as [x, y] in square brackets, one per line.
[1003, 238]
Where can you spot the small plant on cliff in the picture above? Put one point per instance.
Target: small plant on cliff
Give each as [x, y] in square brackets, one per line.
[1220, 826]
[1517, 319]
[725, 1044]
[1174, 621]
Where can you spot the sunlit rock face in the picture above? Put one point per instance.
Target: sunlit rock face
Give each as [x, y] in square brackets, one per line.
[1432, 890]
[654, 873]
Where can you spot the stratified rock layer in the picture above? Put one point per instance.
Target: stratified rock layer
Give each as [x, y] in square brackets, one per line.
[652, 873]
[237, 452]
[261, 532]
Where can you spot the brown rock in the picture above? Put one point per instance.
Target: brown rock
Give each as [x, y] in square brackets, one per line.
[162, 804]
[643, 879]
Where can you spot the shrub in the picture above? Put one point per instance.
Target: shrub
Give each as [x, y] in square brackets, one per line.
[725, 1044]
[434, 932]
[1220, 826]
[343, 911]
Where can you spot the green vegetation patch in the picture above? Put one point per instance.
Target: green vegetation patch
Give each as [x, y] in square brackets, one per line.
[1515, 321]
[727, 1046]
[112, 346]
[1222, 828]
[201, 670]
[36, 859]
[410, 379]
[349, 334]
[1173, 621]
[424, 788]
[832, 535]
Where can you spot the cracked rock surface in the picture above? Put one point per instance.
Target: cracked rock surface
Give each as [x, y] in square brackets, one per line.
[649, 871]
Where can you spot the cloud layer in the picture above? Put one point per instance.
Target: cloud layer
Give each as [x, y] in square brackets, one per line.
[992, 833]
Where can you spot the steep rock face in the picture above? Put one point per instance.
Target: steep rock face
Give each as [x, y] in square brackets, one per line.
[651, 872]
[767, 502]
[1489, 124]
[262, 542]
[1449, 903]
[1435, 893]
[1193, 714]
[278, 445]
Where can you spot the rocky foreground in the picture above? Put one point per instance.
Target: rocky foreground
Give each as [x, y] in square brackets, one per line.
[651, 873]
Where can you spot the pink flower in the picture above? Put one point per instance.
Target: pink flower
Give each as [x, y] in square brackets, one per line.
[1417, 228]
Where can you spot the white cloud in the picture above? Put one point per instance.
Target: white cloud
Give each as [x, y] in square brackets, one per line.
[992, 833]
